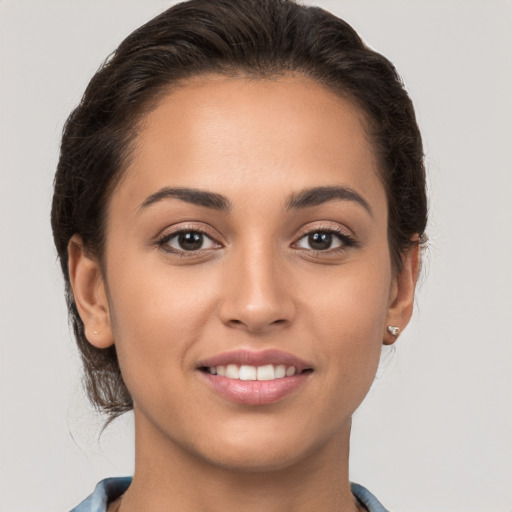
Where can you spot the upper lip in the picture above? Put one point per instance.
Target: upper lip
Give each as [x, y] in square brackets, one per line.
[255, 358]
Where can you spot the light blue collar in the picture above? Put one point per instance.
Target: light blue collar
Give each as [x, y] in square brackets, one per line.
[111, 488]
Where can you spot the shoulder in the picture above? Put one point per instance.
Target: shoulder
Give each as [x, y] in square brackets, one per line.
[106, 491]
[371, 503]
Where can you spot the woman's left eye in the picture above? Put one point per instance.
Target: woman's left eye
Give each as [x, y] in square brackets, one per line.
[187, 241]
[324, 240]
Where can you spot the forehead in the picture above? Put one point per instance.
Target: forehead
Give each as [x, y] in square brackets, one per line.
[231, 135]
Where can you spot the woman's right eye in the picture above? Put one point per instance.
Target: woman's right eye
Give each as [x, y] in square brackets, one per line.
[187, 241]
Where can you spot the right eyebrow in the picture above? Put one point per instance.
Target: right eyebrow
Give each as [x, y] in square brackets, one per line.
[189, 195]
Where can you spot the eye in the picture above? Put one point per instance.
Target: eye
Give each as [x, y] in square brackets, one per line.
[325, 240]
[187, 241]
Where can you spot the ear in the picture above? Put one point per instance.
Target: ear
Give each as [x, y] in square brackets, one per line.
[401, 299]
[90, 294]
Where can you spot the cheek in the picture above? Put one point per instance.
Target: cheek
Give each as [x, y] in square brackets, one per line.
[352, 301]
[156, 318]
[347, 317]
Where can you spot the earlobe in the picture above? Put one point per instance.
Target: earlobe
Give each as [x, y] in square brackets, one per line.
[90, 295]
[402, 295]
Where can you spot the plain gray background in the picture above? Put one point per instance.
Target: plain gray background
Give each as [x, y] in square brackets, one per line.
[435, 433]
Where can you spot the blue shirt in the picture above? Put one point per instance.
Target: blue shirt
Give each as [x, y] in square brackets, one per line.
[111, 488]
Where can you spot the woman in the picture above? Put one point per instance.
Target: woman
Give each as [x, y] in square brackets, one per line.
[239, 207]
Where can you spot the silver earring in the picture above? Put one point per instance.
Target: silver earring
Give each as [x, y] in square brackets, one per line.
[394, 331]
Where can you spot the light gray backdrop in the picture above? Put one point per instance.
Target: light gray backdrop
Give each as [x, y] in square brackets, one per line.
[435, 432]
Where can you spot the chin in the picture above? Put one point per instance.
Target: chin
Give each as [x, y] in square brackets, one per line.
[255, 459]
[265, 450]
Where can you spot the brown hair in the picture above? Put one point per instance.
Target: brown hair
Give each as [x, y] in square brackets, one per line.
[256, 38]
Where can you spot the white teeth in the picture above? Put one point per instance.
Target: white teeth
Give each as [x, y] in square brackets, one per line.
[232, 371]
[290, 371]
[280, 371]
[266, 372]
[246, 372]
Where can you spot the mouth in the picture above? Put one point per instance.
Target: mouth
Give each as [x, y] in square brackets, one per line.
[255, 378]
[247, 372]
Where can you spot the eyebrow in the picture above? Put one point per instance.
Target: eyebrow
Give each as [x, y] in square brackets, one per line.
[320, 195]
[304, 199]
[189, 195]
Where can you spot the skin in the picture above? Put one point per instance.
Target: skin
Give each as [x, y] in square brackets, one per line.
[257, 284]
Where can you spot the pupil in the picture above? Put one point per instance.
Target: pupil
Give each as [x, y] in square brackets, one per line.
[320, 240]
[190, 241]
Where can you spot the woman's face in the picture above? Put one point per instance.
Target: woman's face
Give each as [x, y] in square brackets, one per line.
[248, 240]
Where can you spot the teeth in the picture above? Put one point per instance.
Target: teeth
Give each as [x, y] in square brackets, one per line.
[266, 372]
[246, 372]
[232, 371]
[280, 371]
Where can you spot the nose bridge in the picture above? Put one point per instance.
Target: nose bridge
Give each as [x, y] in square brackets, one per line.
[256, 296]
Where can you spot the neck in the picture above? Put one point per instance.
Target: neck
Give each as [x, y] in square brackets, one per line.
[172, 478]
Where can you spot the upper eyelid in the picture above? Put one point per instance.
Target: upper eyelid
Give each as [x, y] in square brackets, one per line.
[304, 230]
[342, 236]
[169, 232]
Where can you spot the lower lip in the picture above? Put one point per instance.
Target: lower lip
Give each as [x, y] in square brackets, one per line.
[254, 392]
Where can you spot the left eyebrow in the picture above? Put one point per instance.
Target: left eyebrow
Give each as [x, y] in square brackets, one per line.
[319, 195]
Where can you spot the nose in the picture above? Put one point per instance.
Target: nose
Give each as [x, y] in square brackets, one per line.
[257, 297]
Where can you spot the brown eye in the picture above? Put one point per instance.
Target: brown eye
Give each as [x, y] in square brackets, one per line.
[321, 241]
[188, 241]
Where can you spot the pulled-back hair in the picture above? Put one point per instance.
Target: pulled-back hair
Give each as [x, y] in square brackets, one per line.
[250, 38]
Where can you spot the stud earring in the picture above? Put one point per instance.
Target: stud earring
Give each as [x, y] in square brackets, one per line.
[394, 331]
[95, 332]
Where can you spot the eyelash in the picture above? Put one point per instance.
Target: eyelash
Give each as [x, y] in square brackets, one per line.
[345, 239]
[164, 240]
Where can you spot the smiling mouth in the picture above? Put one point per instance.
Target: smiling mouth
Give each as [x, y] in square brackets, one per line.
[255, 378]
[260, 373]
